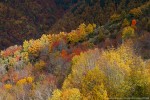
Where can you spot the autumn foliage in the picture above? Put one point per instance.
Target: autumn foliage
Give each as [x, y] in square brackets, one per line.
[133, 22]
[92, 62]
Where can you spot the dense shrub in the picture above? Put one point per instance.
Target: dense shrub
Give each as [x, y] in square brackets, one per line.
[128, 32]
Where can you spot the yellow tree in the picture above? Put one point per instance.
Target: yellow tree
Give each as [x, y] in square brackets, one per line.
[92, 85]
[124, 72]
[56, 95]
[128, 32]
[68, 94]
[81, 64]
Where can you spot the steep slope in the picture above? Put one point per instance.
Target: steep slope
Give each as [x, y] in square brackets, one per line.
[93, 11]
[26, 19]
[90, 62]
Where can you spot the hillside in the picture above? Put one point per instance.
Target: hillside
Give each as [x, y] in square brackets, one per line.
[26, 19]
[30, 19]
[93, 11]
[95, 61]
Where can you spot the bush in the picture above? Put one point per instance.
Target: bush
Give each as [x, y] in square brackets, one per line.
[92, 85]
[115, 17]
[136, 12]
[8, 86]
[128, 32]
[68, 94]
[125, 23]
[81, 33]
[40, 65]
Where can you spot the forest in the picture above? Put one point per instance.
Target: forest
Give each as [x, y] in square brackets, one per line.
[74, 49]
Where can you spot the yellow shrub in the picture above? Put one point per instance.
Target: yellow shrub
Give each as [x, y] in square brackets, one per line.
[26, 45]
[29, 79]
[68, 94]
[40, 65]
[73, 37]
[56, 95]
[71, 94]
[128, 32]
[35, 47]
[115, 17]
[45, 39]
[25, 56]
[8, 86]
[62, 34]
[90, 28]
[80, 34]
[21, 82]
[125, 23]
[92, 85]
[136, 12]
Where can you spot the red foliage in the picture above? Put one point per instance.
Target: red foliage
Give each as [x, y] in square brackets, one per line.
[55, 44]
[133, 22]
[18, 58]
[5, 78]
[12, 76]
[15, 77]
[11, 50]
[77, 51]
[64, 54]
